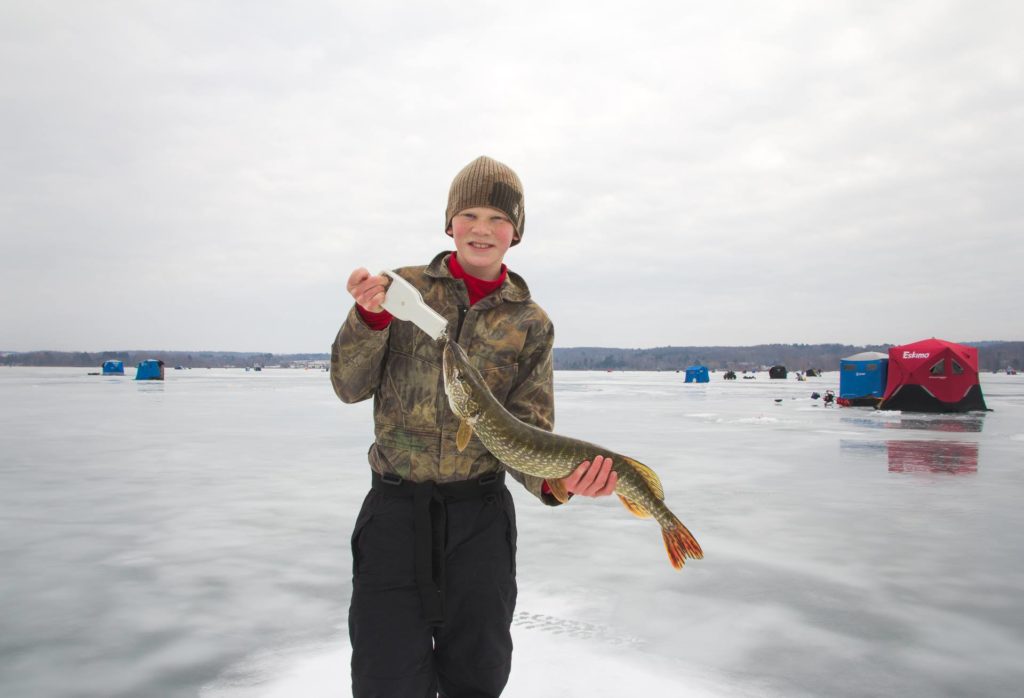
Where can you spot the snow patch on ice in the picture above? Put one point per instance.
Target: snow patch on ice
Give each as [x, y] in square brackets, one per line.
[554, 655]
[320, 671]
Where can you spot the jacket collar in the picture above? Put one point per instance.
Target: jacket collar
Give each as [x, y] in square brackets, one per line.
[513, 289]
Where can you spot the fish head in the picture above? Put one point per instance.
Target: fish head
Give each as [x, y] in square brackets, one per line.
[461, 381]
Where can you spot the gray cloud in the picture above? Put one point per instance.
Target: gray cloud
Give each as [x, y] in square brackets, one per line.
[204, 175]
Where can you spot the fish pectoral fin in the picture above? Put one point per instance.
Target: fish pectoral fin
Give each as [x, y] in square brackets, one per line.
[557, 487]
[635, 509]
[465, 434]
[649, 476]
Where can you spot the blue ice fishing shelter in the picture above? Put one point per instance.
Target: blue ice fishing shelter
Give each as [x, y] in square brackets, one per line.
[862, 377]
[113, 367]
[150, 370]
[697, 374]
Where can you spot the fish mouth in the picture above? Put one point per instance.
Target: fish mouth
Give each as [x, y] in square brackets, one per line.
[456, 367]
[448, 364]
[454, 388]
[453, 356]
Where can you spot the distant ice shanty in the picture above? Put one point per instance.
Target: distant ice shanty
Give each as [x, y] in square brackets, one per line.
[697, 374]
[113, 367]
[777, 371]
[862, 378]
[150, 370]
[933, 375]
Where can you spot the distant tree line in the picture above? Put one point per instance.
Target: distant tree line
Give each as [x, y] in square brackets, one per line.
[795, 357]
[131, 357]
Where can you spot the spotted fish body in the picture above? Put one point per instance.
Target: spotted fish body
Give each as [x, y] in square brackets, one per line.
[534, 451]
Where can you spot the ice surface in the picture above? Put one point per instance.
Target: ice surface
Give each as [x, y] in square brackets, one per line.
[191, 538]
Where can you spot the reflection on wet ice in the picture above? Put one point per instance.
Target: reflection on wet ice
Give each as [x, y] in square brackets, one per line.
[969, 423]
[857, 448]
[957, 457]
[908, 456]
[972, 422]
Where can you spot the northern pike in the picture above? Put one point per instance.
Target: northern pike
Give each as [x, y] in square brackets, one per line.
[533, 451]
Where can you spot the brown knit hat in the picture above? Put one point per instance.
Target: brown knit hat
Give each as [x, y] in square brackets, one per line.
[487, 182]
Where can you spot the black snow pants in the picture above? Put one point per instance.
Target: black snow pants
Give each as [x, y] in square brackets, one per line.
[434, 589]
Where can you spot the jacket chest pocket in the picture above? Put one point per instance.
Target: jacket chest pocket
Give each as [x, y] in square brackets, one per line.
[500, 380]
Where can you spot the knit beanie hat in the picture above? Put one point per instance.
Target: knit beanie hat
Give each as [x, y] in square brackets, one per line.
[487, 182]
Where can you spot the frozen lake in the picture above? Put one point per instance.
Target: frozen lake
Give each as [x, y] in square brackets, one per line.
[191, 538]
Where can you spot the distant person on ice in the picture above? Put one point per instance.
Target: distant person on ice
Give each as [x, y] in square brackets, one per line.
[434, 545]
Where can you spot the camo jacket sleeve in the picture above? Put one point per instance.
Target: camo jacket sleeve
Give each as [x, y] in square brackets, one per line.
[357, 359]
[532, 398]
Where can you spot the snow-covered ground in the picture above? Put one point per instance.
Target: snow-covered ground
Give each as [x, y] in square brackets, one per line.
[191, 538]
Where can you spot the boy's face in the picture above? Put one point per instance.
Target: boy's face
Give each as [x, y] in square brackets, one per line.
[482, 237]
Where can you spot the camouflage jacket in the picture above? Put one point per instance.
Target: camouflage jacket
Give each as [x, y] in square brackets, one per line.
[507, 336]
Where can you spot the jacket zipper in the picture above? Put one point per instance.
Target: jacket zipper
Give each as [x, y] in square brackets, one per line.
[441, 394]
[462, 317]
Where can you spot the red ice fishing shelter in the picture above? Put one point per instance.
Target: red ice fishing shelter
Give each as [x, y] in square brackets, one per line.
[933, 375]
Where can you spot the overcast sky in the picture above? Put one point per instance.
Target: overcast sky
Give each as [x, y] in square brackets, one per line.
[204, 175]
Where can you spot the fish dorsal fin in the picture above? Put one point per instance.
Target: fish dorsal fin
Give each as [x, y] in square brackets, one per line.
[557, 487]
[465, 434]
[649, 476]
[635, 509]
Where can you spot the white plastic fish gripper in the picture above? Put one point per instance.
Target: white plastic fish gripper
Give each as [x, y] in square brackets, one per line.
[405, 303]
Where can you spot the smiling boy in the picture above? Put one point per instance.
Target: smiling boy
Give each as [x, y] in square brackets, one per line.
[434, 545]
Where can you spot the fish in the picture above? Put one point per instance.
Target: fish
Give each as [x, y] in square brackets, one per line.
[533, 451]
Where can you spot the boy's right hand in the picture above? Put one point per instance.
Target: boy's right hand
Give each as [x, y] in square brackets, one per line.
[368, 290]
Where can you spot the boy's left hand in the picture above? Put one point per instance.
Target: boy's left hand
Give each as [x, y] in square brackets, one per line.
[595, 479]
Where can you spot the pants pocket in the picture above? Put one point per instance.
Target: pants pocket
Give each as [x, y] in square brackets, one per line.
[362, 520]
[511, 533]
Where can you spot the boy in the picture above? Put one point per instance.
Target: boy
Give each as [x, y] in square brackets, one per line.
[433, 550]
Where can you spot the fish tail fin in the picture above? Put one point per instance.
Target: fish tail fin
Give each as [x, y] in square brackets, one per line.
[680, 544]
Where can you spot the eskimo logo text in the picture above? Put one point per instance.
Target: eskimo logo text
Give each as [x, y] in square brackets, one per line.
[916, 355]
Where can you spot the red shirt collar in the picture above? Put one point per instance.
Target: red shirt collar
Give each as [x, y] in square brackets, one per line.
[477, 288]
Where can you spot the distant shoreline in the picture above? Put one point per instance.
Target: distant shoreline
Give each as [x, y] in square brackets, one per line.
[993, 355]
